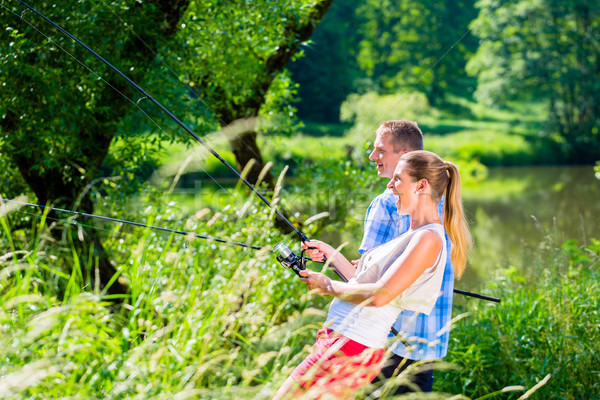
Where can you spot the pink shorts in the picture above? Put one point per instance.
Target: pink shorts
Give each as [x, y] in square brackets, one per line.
[338, 365]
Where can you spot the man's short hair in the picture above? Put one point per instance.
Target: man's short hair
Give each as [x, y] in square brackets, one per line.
[405, 135]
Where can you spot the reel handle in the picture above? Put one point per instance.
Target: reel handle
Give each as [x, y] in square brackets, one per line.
[336, 270]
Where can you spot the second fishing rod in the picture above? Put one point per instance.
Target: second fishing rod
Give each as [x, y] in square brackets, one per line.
[285, 256]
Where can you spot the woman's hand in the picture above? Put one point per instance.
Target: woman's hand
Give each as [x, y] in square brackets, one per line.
[316, 282]
[319, 251]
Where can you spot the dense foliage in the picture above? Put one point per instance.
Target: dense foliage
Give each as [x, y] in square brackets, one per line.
[60, 107]
[544, 50]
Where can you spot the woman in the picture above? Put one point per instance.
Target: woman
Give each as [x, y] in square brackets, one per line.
[405, 273]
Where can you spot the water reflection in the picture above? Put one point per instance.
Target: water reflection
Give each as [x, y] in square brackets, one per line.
[516, 209]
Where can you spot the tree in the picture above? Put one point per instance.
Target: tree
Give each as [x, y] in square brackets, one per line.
[57, 120]
[544, 50]
[389, 45]
[236, 54]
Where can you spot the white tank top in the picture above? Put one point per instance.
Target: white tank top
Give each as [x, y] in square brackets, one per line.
[369, 325]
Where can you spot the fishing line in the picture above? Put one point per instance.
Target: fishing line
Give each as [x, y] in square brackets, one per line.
[301, 235]
[138, 224]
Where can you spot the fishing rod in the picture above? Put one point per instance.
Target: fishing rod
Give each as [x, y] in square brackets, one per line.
[300, 234]
[139, 224]
[293, 261]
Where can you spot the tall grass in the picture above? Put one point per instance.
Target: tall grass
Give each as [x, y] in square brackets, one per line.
[201, 320]
[211, 321]
[547, 324]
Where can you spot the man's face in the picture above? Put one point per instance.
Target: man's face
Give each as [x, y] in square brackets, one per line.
[385, 156]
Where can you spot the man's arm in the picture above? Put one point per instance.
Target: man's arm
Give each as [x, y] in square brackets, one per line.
[382, 222]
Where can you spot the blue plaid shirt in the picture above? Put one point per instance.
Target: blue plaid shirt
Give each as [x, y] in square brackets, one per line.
[425, 337]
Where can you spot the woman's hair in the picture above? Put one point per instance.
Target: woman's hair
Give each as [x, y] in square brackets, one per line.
[444, 180]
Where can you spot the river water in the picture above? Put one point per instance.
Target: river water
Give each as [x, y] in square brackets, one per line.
[517, 210]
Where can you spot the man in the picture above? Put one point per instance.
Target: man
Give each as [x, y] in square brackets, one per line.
[422, 337]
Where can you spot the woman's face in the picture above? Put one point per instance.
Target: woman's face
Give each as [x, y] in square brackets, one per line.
[405, 187]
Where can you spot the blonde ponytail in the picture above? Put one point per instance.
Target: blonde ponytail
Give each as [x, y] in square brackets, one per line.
[444, 178]
[455, 222]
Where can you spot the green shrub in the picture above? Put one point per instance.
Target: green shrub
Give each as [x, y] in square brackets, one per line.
[369, 110]
[546, 324]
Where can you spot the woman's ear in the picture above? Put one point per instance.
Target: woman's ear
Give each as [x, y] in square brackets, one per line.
[422, 186]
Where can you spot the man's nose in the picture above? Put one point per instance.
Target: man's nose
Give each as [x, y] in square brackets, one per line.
[372, 156]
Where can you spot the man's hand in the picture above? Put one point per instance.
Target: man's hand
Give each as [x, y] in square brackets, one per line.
[319, 251]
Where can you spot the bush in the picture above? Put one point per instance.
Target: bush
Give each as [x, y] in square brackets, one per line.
[546, 324]
[369, 110]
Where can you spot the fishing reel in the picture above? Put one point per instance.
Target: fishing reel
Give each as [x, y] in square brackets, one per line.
[288, 259]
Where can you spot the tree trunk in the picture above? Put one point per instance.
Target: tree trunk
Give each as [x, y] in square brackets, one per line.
[51, 189]
[246, 150]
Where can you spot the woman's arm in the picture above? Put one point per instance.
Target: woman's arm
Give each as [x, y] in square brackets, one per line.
[318, 250]
[422, 252]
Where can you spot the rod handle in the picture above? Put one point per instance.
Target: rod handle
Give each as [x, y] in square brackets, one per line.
[477, 295]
